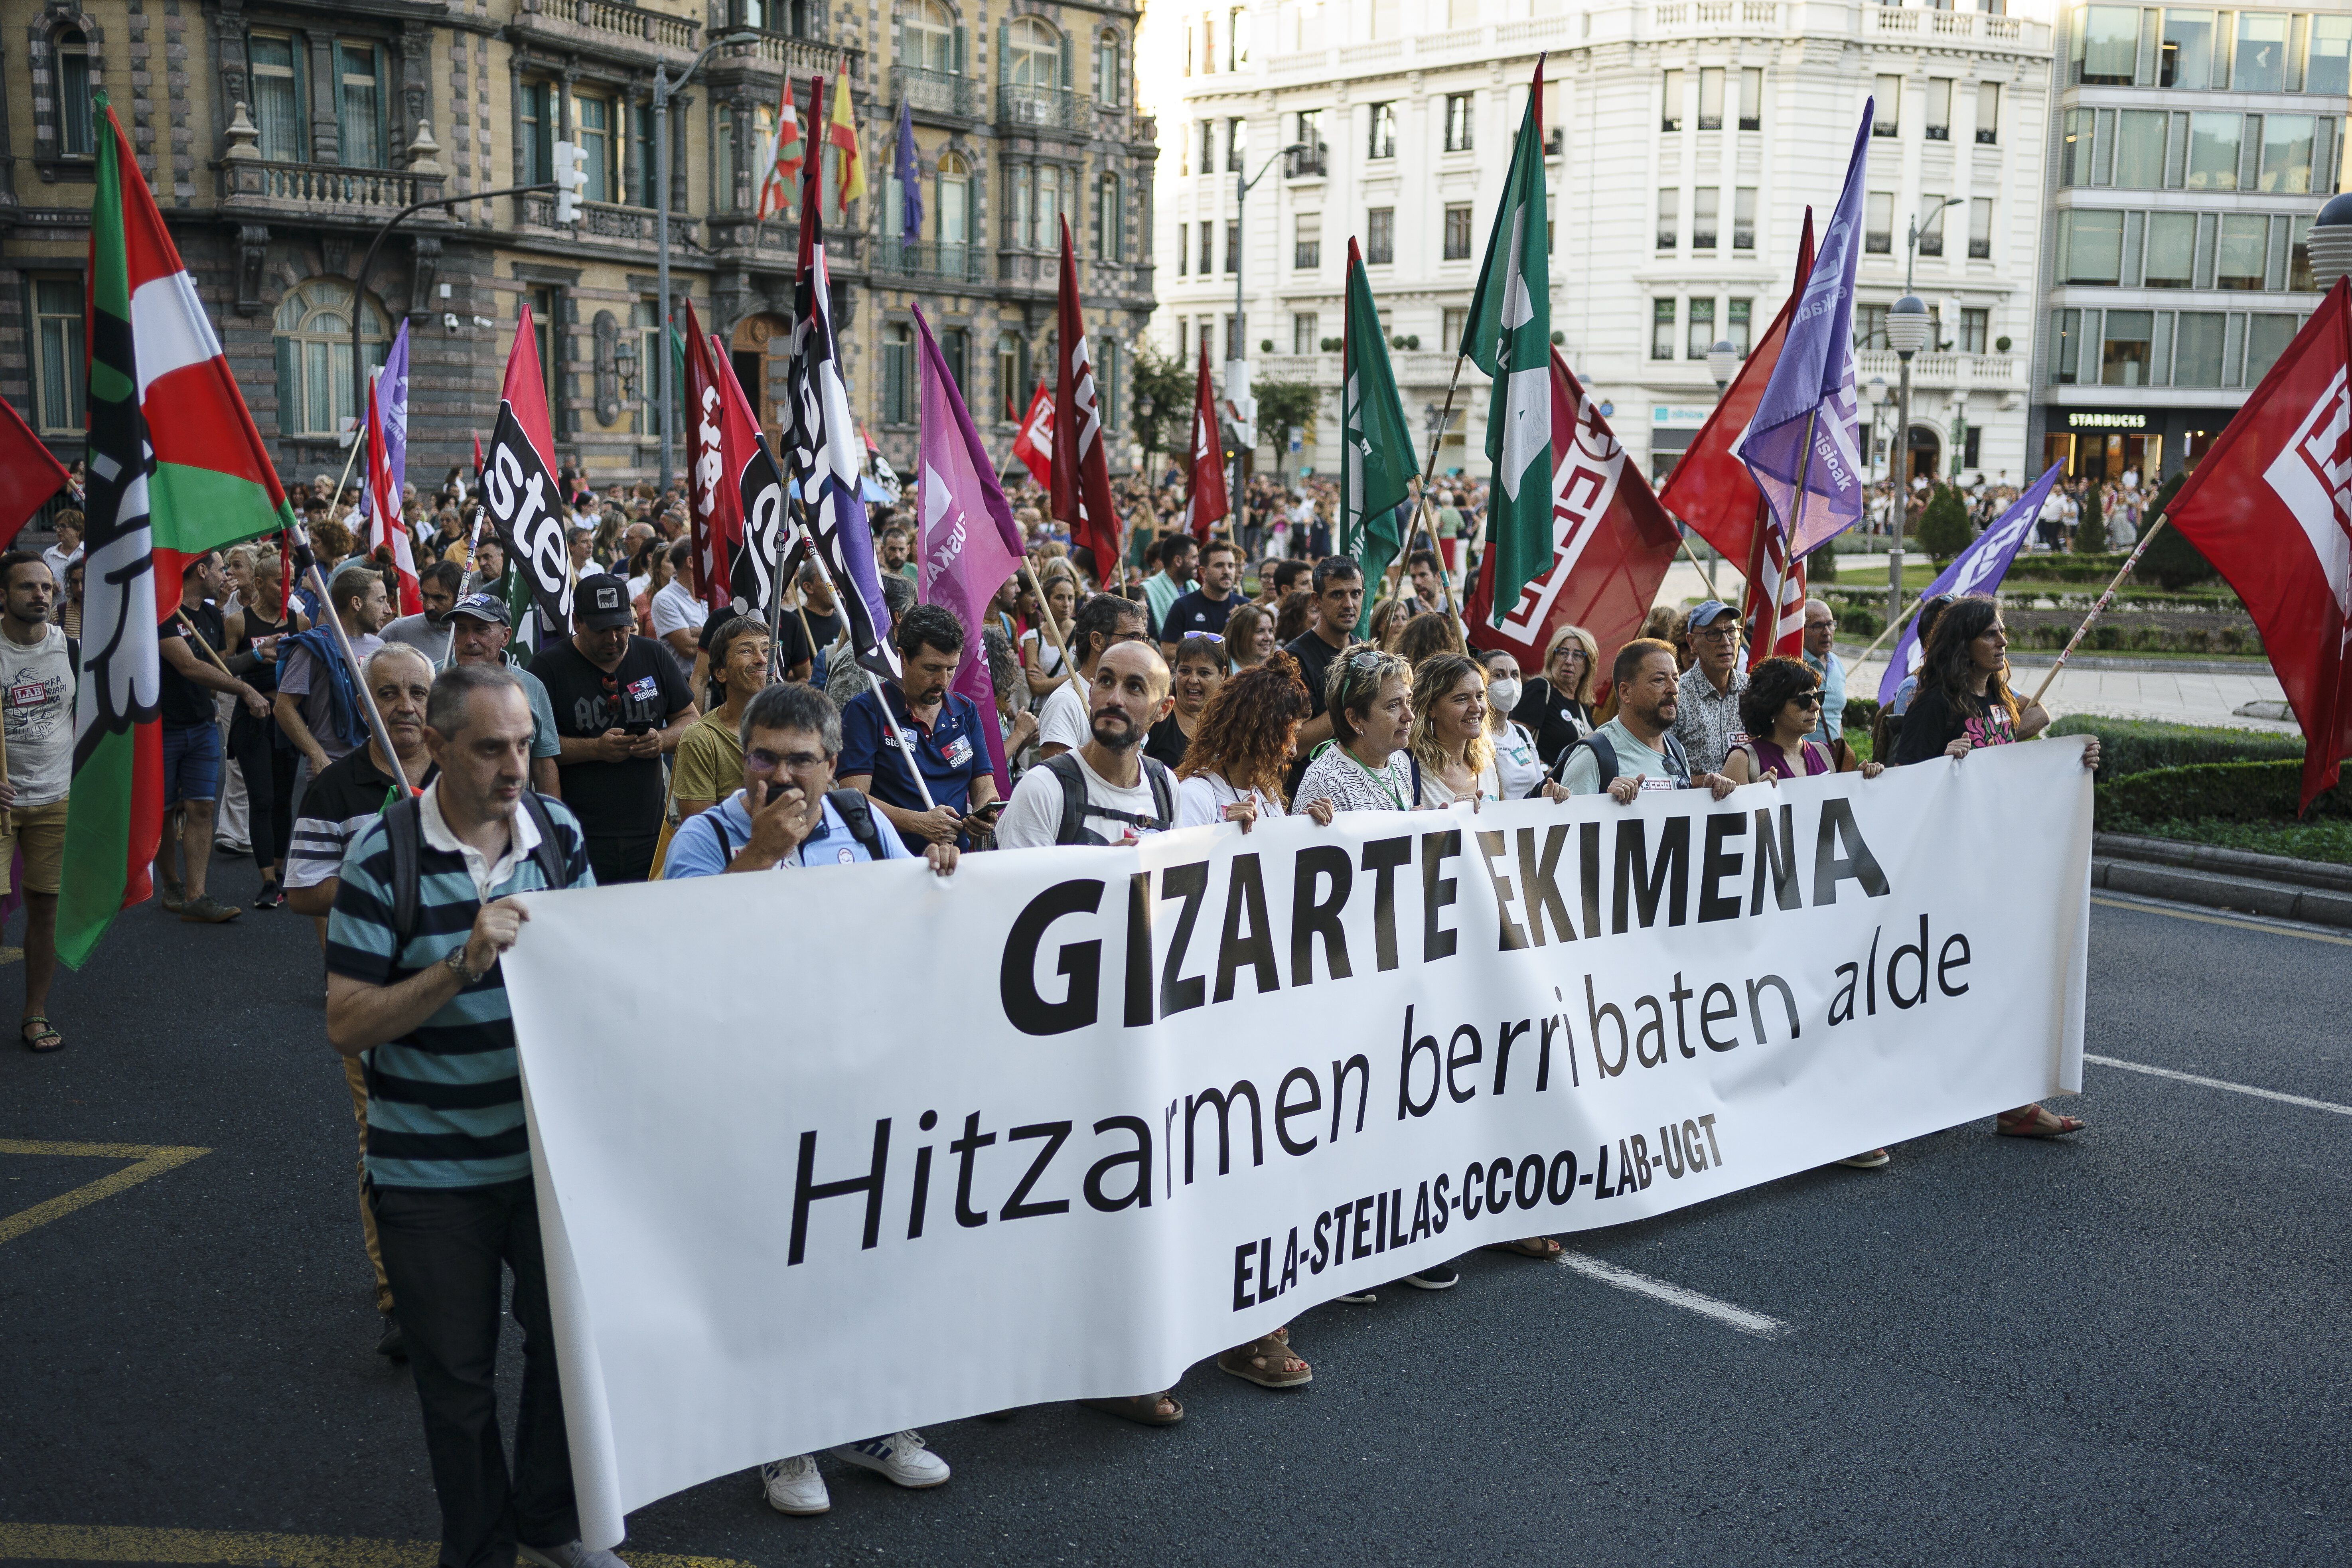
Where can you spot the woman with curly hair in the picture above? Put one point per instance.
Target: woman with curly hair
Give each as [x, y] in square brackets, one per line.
[1781, 706]
[1427, 635]
[1449, 729]
[1964, 702]
[1233, 770]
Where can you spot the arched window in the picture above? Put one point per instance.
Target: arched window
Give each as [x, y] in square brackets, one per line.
[1032, 53]
[955, 208]
[1109, 71]
[76, 133]
[1110, 218]
[314, 354]
[926, 38]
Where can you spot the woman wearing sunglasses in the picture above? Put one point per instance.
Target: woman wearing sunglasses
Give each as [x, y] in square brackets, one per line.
[1781, 706]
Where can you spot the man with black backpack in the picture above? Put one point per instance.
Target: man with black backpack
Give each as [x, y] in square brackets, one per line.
[1106, 790]
[422, 914]
[1637, 750]
[788, 812]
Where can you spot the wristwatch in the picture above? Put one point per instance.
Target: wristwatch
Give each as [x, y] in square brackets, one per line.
[456, 964]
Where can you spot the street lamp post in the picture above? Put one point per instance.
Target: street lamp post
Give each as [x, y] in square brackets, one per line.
[663, 88]
[1874, 389]
[1911, 258]
[1908, 328]
[1237, 351]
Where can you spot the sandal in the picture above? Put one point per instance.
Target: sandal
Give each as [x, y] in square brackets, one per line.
[1262, 1361]
[1143, 1409]
[44, 1039]
[1541, 1247]
[2033, 1122]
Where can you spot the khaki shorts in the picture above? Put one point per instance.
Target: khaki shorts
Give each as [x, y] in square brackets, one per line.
[40, 830]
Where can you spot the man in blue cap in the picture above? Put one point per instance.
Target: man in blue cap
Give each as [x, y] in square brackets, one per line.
[1707, 718]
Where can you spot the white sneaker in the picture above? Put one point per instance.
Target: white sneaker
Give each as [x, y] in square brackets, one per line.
[903, 1456]
[793, 1486]
[571, 1555]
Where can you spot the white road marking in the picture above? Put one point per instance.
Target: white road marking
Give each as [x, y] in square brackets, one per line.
[2242, 923]
[1724, 1312]
[2305, 1103]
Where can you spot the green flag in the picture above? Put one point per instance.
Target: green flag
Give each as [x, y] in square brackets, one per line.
[1377, 467]
[1509, 337]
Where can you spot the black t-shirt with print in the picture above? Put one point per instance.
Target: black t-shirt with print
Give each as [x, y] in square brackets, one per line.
[182, 701]
[612, 800]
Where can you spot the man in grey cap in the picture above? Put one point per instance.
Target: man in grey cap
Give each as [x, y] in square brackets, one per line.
[1707, 721]
[620, 704]
[478, 635]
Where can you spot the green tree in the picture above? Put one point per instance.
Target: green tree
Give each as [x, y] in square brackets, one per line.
[1944, 528]
[2171, 562]
[1166, 380]
[2091, 528]
[1280, 405]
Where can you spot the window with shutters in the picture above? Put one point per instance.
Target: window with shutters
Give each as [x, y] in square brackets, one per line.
[1110, 218]
[313, 332]
[898, 374]
[359, 105]
[593, 119]
[277, 66]
[926, 38]
[1110, 69]
[1033, 54]
[535, 149]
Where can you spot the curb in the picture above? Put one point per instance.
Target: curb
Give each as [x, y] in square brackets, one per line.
[2273, 885]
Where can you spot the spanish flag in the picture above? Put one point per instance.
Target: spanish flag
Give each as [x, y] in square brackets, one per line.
[841, 133]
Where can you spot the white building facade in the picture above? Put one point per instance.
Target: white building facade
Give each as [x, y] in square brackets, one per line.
[1685, 140]
[2191, 150]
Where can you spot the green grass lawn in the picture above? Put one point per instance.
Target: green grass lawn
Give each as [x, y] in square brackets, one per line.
[2325, 840]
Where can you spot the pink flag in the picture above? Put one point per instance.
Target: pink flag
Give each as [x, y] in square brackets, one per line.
[968, 543]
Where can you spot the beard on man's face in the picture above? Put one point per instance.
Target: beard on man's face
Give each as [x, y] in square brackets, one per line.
[1113, 730]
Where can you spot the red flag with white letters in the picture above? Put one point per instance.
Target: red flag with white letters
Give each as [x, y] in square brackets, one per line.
[2270, 506]
[1035, 446]
[717, 450]
[1205, 501]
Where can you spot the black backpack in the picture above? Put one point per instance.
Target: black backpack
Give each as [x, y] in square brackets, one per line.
[857, 814]
[404, 825]
[1076, 807]
[1604, 753]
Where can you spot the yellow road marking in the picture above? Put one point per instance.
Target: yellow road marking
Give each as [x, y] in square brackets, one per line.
[147, 1159]
[251, 1549]
[2154, 908]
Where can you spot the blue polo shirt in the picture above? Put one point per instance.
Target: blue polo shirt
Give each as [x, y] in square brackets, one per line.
[950, 750]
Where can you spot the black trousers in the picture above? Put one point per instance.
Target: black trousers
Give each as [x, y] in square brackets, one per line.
[268, 769]
[624, 858]
[443, 1251]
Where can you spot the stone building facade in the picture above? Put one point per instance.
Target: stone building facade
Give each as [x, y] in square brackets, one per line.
[279, 135]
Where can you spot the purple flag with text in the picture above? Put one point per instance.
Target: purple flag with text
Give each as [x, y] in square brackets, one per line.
[969, 544]
[1979, 569]
[1800, 445]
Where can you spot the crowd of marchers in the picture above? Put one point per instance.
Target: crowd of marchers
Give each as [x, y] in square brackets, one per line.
[397, 779]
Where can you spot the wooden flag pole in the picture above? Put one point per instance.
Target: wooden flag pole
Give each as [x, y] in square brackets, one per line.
[2100, 607]
[922, 785]
[198, 638]
[1045, 614]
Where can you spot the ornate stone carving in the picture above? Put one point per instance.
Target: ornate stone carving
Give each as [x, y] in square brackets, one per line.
[252, 256]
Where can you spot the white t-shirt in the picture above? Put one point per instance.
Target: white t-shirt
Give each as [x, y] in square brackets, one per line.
[38, 681]
[1202, 799]
[1049, 656]
[676, 610]
[1033, 817]
[1063, 720]
[1516, 767]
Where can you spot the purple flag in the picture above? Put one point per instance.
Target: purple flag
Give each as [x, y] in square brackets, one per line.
[968, 543]
[391, 401]
[1811, 389]
[1979, 569]
[911, 179]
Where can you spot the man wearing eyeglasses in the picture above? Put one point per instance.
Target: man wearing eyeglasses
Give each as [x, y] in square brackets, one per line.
[1707, 721]
[1208, 607]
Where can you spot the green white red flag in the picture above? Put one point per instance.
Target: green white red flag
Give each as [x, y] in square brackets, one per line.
[176, 468]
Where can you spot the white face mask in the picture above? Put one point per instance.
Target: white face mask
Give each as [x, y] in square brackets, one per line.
[1503, 695]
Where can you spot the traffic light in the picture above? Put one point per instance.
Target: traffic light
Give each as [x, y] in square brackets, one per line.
[570, 179]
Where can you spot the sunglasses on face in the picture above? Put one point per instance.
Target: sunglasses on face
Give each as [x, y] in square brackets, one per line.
[1809, 700]
[759, 758]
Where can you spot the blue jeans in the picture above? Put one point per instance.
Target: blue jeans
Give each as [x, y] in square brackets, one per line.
[192, 763]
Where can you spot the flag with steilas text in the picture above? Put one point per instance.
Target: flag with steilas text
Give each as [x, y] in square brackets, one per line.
[2270, 506]
[1509, 336]
[967, 542]
[1376, 462]
[176, 468]
[520, 489]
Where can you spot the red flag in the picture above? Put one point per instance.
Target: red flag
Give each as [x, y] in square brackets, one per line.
[1709, 489]
[29, 476]
[525, 391]
[714, 498]
[1035, 446]
[387, 529]
[1612, 541]
[1081, 487]
[1205, 490]
[2270, 506]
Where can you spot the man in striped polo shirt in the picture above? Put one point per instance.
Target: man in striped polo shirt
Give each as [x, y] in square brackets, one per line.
[414, 992]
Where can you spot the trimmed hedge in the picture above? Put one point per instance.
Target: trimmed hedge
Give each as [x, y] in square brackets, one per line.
[1861, 712]
[2128, 746]
[2225, 791]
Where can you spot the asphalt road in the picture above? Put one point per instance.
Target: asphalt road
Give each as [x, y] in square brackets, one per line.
[2128, 1347]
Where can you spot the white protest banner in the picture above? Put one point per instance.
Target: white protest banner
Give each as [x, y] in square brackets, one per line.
[827, 1152]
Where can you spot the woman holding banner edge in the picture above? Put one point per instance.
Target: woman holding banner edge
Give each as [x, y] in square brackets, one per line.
[1963, 702]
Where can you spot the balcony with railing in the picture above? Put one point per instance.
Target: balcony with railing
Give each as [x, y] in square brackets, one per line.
[1042, 108]
[930, 261]
[743, 238]
[610, 21]
[605, 224]
[322, 190]
[1959, 371]
[940, 92]
[1307, 163]
[798, 56]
